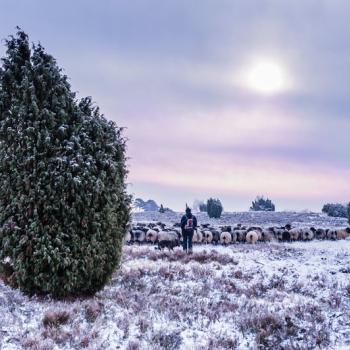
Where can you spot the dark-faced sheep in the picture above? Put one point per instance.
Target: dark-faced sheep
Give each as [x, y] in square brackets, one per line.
[139, 236]
[331, 234]
[278, 234]
[286, 236]
[341, 234]
[216, 236]
[240, 235]
[266, 236]
[233, 236]
[168, 240]
[320, 233]
[208, 236]
[307, 235]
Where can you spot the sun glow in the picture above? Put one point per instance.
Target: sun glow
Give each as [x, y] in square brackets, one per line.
[266, 77]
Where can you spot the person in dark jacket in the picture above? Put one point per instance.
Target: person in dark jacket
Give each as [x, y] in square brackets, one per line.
[188, 225]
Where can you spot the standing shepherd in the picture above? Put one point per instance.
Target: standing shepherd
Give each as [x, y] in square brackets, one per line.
[188, 225]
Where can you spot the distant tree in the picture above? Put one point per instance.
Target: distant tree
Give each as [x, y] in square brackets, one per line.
[348, 212]
[214, 208]
[161, 209]
[262, 204]
[336, 210]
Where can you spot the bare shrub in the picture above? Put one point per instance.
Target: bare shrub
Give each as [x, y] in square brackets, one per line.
[179, 255]
[124, 324]
[143, 325]
[132, 278]
[276, 282]
[268, 327]
[133, 345]
[58, 335]
[55, 318]
[347, 290]
[167, 340]
[93, 310]
[35, 344]
[201, 272]
[84, 342]
[334, 299]
[221, 342]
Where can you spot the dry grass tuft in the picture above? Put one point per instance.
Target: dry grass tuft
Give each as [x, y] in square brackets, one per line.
[55, 318]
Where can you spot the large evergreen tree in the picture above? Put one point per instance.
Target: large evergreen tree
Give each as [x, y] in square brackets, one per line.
[63, 202]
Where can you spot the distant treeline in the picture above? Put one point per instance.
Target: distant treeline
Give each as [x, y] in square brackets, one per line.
[336, 210]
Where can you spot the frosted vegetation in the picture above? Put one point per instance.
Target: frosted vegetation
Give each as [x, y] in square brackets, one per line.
[263, 296]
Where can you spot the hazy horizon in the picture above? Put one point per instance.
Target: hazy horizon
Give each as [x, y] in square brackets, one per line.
[229, 99]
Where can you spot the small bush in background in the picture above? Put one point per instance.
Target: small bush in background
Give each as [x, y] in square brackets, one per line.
[214, 208]
[336, 210]
[55, 318]
[262, 204]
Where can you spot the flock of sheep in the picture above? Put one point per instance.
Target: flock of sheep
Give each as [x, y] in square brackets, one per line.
[170, 237]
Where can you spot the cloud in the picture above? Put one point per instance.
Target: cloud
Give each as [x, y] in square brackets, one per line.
[170, 71]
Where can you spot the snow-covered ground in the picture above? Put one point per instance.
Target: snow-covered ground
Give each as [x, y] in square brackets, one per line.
[297, 219]
[267, 296]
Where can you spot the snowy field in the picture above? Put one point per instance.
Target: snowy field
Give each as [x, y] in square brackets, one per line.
[263, 296]
[297, 219]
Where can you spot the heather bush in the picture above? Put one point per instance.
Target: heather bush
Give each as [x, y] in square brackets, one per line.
[55, 318]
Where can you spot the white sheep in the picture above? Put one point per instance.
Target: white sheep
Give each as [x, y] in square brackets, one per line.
[294, 234]
[168, 240]
[341, 234]
[266, 236]
[151, 236]
[252, 237]
[225, 238]
[197, 237]
[129, 238]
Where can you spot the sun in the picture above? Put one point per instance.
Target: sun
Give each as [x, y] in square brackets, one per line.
[266, 77]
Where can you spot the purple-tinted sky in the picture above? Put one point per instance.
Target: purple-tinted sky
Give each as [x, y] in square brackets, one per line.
[168, 70]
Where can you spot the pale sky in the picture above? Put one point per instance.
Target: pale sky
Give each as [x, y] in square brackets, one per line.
[220, 98]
